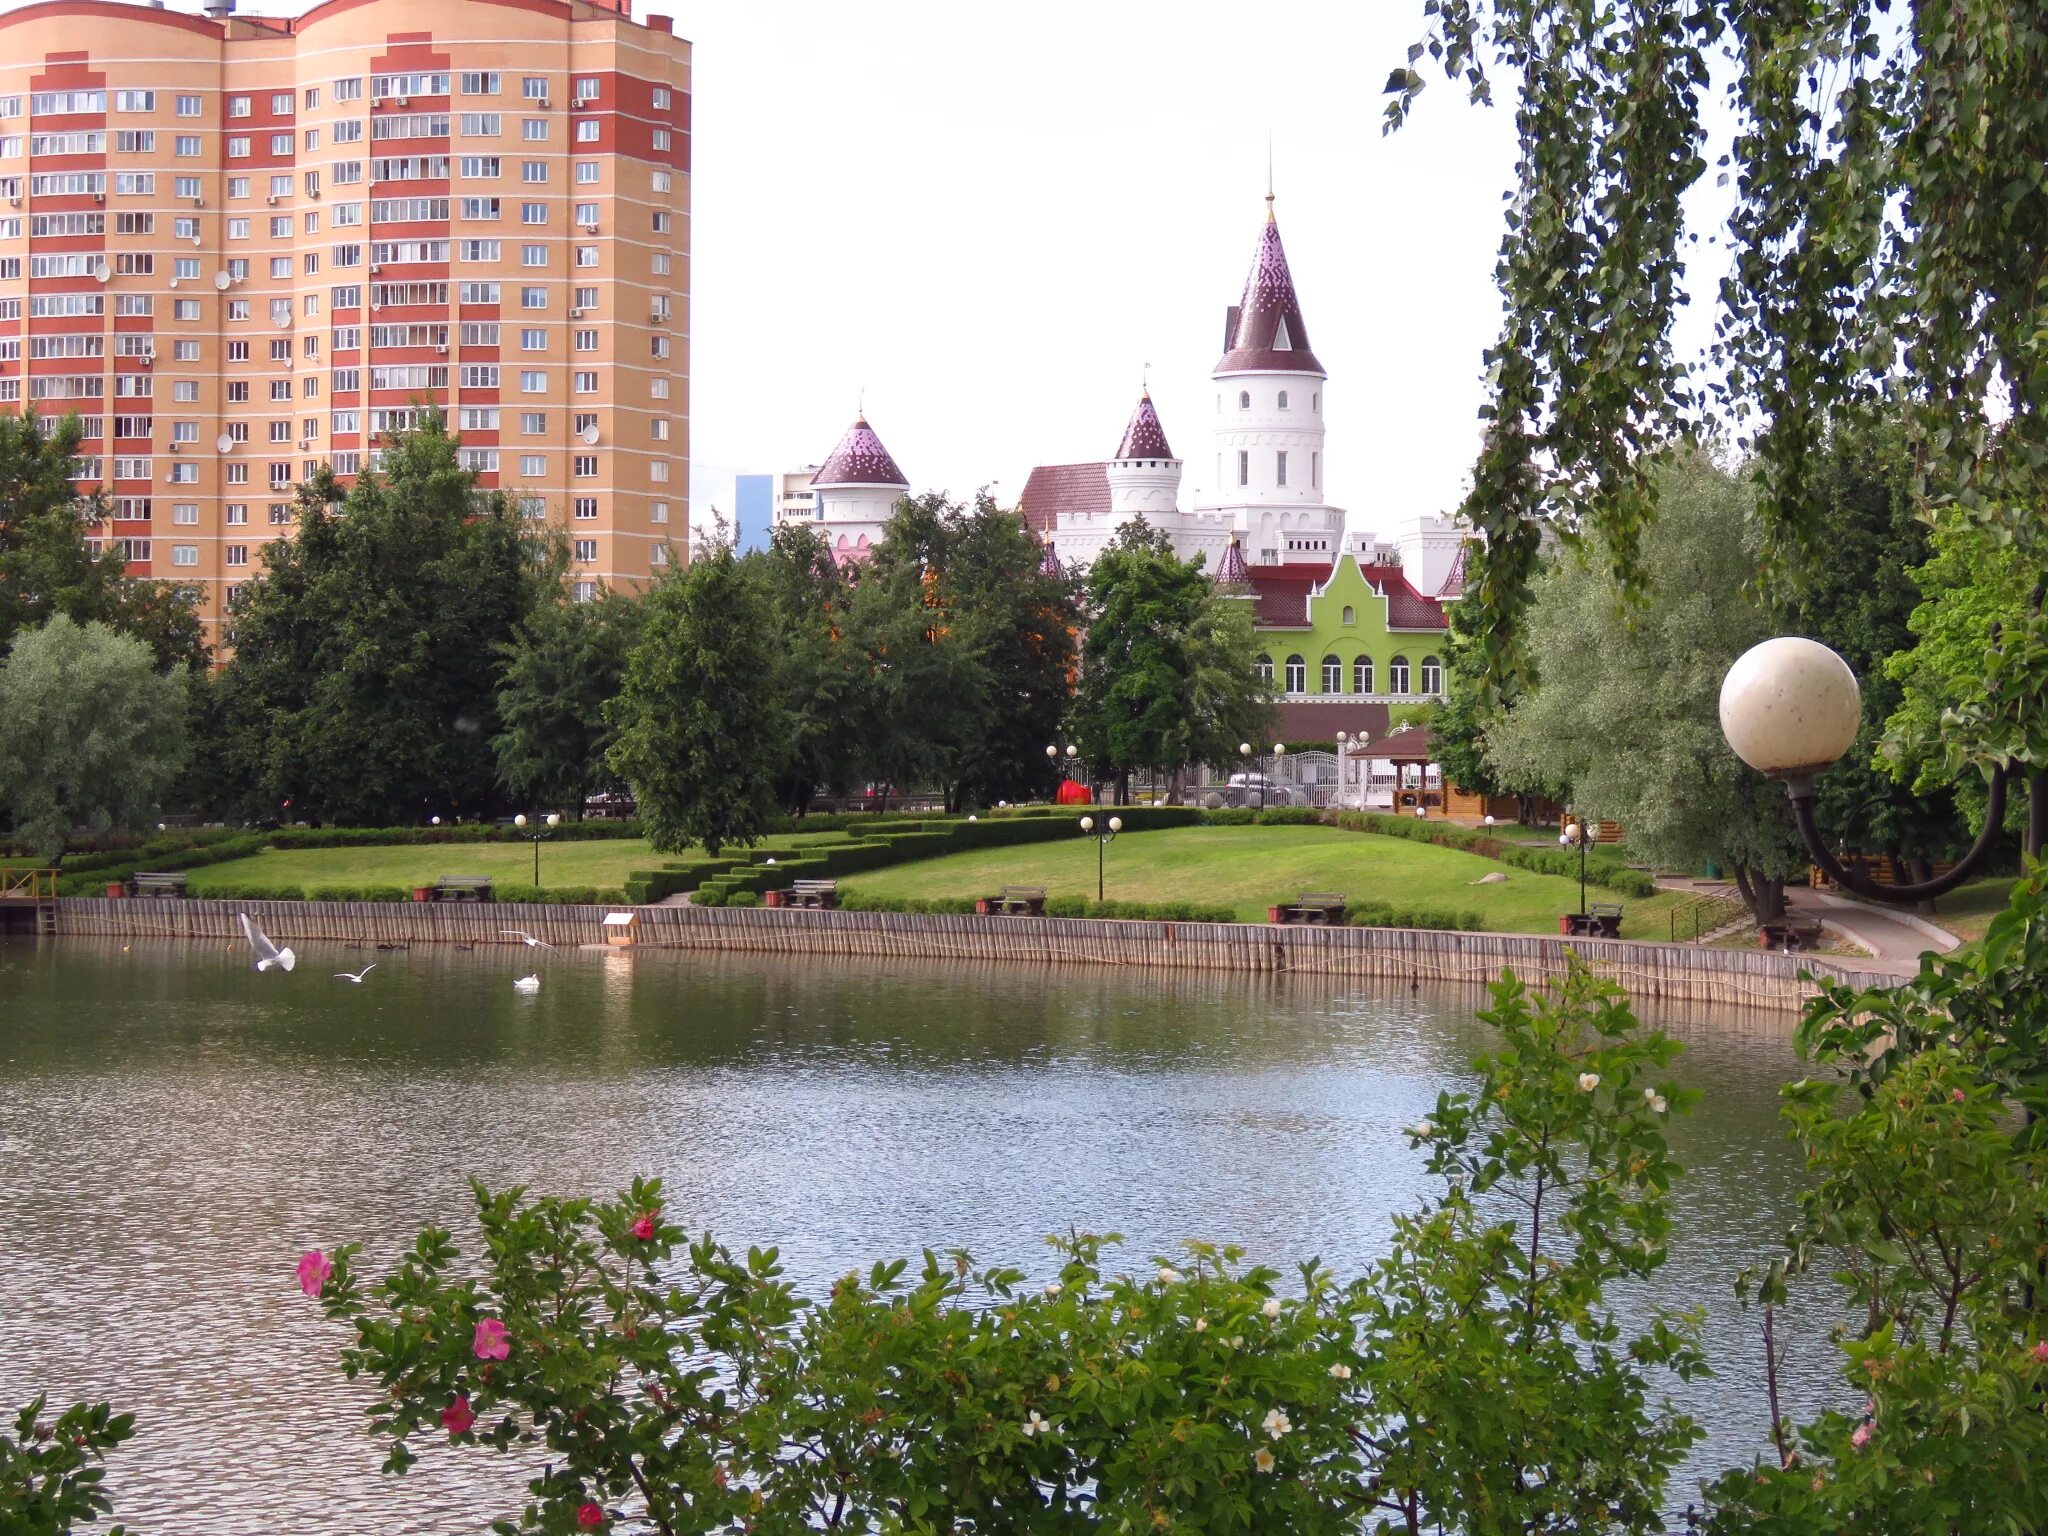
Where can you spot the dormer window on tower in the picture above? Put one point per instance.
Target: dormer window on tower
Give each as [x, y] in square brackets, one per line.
[1283, 399]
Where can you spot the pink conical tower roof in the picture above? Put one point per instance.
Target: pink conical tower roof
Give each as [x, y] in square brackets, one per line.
[1267, 333]
[1231, 569]
[860, 459]
[1049, 563]
[1144, 438]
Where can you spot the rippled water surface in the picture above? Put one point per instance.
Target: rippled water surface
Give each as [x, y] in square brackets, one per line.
[174, 1129]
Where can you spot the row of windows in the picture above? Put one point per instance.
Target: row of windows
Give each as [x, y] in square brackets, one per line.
[1244, 467]
[587, 88]
[1432, 679]
[343, 173]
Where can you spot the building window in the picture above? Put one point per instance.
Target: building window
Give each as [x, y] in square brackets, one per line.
[1297, 675]
[1244, 400]
[584, 466]
[583, 592]
[1350, 615]
[1244, 466]
[1280, 467]
[1315, 469]
[586, 549]
[1397, 675]
[657, 512]
[190, 106]
[1432, 675]
[1361, 675]
[1283, 399]
[585, 509]
[185, 513]
[1315, 401]
[238, 554]
[1333, 675]
[533, 423]
[184, 554]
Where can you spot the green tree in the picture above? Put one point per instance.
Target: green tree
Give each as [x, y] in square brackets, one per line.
[1458, 722]
[369, 655]
[702, 720]
[1013, 621]
[561, 671]
[1858, 596]
[1166, 663]
[1887, 237]
[811, 601]
[46, 567]
[91, 734]
[1626, 709]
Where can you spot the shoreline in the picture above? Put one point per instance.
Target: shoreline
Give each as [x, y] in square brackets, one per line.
[1672, 972]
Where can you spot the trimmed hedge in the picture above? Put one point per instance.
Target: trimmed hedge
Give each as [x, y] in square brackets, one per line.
[1379, 914]
[1604, 872]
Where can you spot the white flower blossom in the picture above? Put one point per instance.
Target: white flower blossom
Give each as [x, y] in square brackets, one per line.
[1201, 1325]
[1340, 1371]
[1035, 1425]
[1422, 1130]
[1053, 1288]
[1275, 1423]
[1588, 1081]
[1272, 1307]
[1262, 1459]
[1168, 1275]
[1657, 1105]
[1235, 1341]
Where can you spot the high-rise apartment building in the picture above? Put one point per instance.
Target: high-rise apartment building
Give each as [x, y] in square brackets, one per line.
[242, 246]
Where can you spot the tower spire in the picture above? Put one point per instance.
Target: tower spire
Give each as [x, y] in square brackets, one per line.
[1269, 179]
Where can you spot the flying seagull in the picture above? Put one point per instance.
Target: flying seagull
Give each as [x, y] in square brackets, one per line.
[356, 976]
[267, 953]
[520, 933]
[528, 984]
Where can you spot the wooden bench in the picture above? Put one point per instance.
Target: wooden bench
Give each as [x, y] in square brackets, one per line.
[463, 888]
[823, 894]
[1789, 934]
[1603, 920]
[1019, 901]
[1323, 907]
[158, 884]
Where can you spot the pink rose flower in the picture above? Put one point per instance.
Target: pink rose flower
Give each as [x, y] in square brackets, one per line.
[1956, 1095]
[1862, 1436]
[491, 1342]
[644, 1227]
[458, 1415]
[2041, 1353]
[314, 1269]
[590, 1515]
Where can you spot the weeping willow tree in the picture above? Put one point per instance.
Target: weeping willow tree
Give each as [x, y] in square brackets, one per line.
[1888, 165]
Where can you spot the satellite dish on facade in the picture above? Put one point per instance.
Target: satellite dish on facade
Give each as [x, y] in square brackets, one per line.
[284, 322]
[101, 274]
[590, 436]
[220, 279]
[223, 443]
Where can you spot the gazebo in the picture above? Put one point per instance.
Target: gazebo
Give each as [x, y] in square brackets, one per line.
[1411, 752]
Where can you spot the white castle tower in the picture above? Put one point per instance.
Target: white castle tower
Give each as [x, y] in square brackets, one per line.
[1144, 477]
[857, 489]
[1268, 431]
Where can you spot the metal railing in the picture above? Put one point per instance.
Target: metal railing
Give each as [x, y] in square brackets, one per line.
[28, 885]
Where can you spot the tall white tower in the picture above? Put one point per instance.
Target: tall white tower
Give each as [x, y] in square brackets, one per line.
[1268, 430]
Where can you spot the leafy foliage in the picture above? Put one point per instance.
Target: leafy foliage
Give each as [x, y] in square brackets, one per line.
[91, 734]
[701, 718]
[561, 670]
[1474, 1380]
[50, 1474]
[1626, 710]
[368, 656]
[1887, 234]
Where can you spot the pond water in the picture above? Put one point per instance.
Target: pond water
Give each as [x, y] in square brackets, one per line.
[175, 1129]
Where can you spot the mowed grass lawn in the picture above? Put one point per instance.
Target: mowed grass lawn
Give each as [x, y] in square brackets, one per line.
[1251, 868]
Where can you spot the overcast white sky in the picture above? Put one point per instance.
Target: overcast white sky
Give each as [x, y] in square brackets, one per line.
[992, 217]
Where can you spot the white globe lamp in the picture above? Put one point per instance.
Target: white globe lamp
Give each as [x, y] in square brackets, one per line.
[1116, 823]
[1790, 707]
[1087, 823]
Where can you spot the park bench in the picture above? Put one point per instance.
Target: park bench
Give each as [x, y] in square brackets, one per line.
[462, 888]
[158, 884]
[1324, 907]
[1604, 920]
[1788, 934]
[1019, 901]
[814, 893]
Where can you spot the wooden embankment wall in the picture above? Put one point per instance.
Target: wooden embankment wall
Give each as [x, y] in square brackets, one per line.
[1742, 978]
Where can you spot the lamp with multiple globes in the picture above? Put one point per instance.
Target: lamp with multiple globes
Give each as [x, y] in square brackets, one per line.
[539, 832]
[1103, 839]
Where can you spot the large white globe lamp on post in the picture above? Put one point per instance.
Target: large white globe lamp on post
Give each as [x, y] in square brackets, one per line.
[1790, 708]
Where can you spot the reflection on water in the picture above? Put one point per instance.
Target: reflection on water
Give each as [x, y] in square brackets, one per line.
[175, 1129]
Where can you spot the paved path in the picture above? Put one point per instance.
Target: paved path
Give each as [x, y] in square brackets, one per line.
[1896, 940]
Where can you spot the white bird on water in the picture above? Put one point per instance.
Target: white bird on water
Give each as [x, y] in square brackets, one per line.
[356, 976]
[267, 953]
[527, 984]
[528, 939]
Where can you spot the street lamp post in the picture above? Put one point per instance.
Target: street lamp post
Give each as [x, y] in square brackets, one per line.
[1790, 708]
[1279, 752]
[1342, 740]
[1576, 834]
[535, 836]
[1102, 840]
[1071, 762]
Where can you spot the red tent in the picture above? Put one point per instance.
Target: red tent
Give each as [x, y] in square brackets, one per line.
[1073, 793]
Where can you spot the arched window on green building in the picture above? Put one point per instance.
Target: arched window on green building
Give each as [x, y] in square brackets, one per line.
[1264, 667]
[1432, 675]
[1297, 675]
[1397, 675]
[1333, 675]
[1361, 675]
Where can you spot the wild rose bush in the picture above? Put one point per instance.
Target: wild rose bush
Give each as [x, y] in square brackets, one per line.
[1474, 1379]
[51, 1476]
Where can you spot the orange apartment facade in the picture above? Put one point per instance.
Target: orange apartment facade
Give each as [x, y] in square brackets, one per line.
[241, 247]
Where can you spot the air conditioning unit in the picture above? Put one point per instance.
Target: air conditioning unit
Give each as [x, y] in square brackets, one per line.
[312, 191]
[442, 349]
[99, 197]
[401, 101]
[270, 201]
[575, 314]
[177, 447]
[198, 202]
[174, 282]
[376, 266]
[657, 318]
